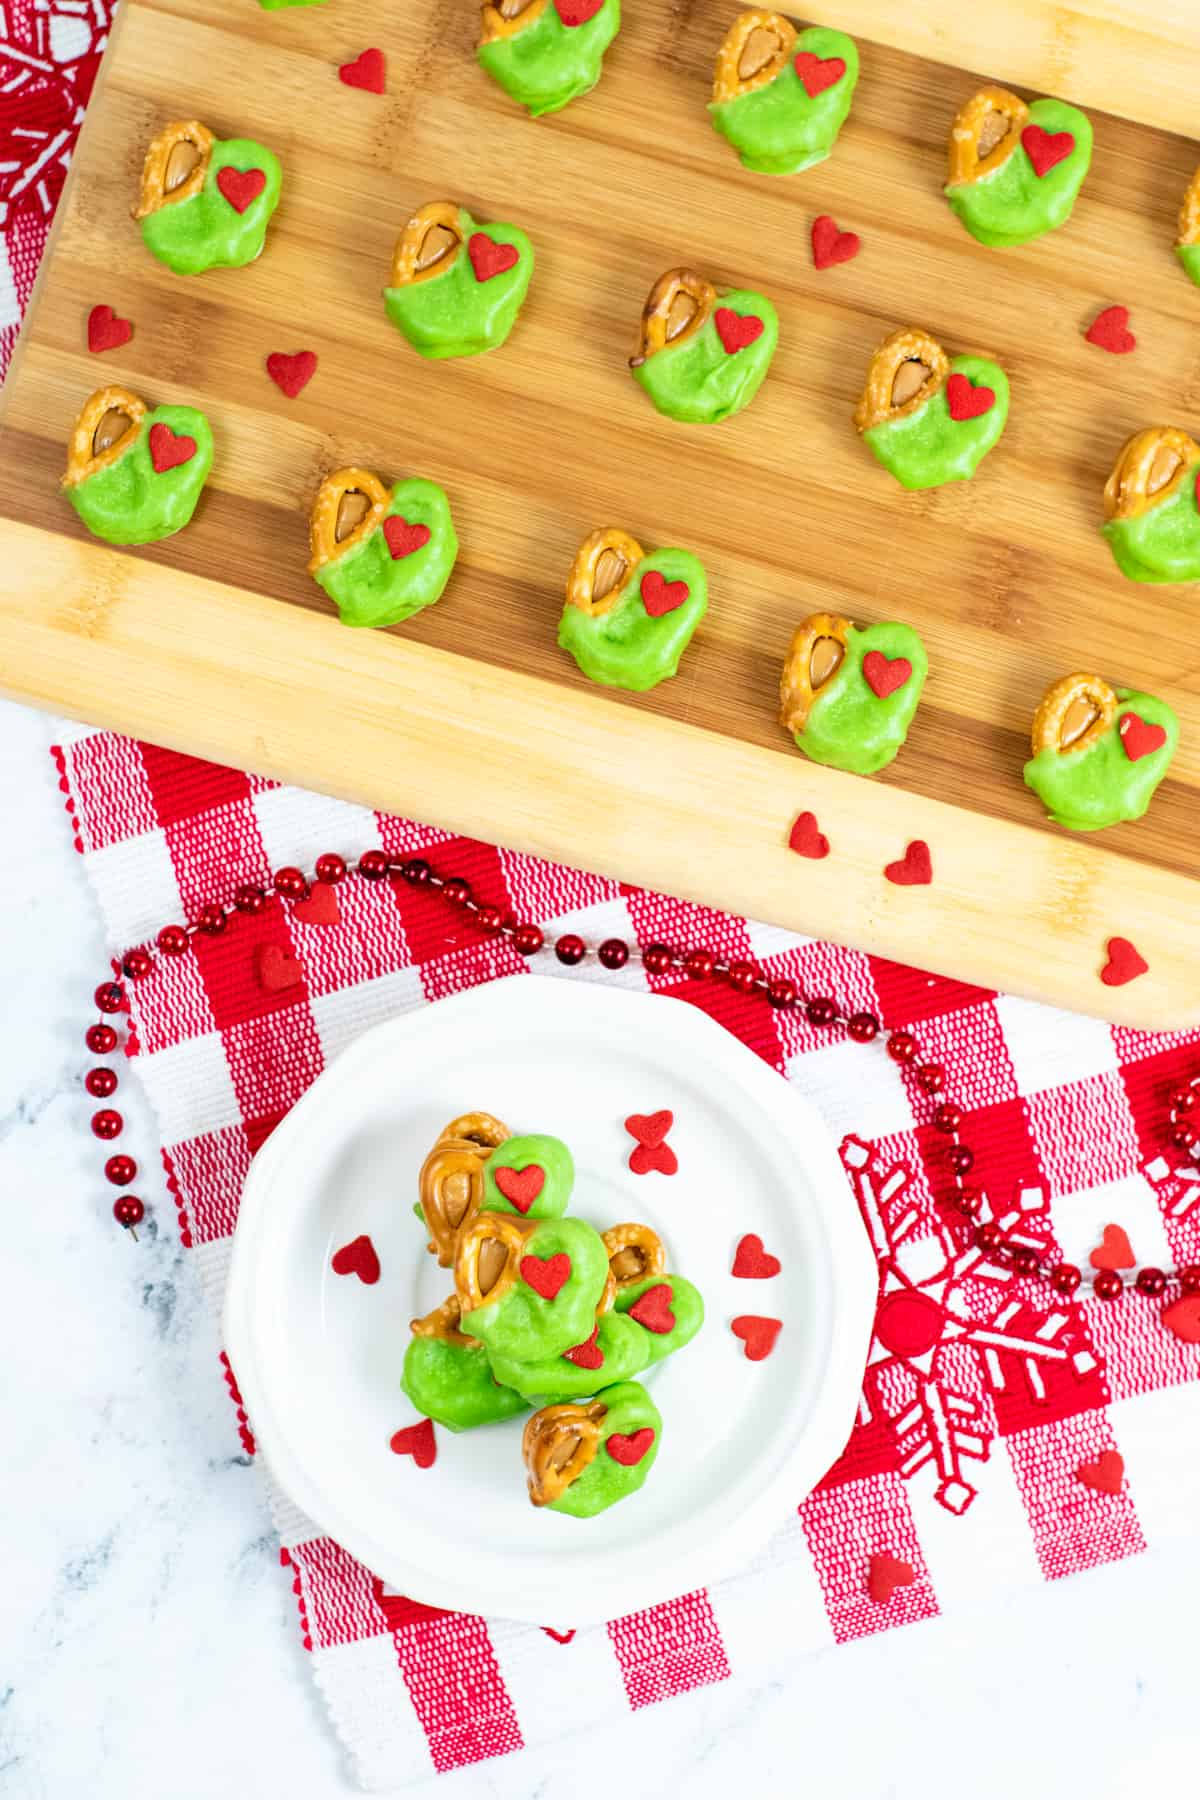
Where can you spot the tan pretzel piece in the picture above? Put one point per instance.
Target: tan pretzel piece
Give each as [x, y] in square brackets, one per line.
[451, 1179]
[428, 244]
[601, 570]
[104, 430]
[488, 1260]
[350, 503]
[815, 655]
[607, 1298]
[679, 305]
[443, 1322]
[1149, 467]
[907, 370]
[505, 17]
[175, 166]
[634, 1251]
[478, 1128]
[1073, 714]
[757, 46]
[985, 133]
[557, 1444]
[1189, 213]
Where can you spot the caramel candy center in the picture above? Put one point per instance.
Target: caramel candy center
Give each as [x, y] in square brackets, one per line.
[826, 660]
[180, 163]
[682, 311]
[353, 508]
[628, 1264]
[993, 131]
[760, 48]
[113, 425]
[1162, 469]
[610, 573]
[437, 243]
[492, 1257]
[911, 377]
[1079, 717]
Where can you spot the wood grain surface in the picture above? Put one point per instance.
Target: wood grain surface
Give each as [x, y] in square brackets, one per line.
[1006, 577]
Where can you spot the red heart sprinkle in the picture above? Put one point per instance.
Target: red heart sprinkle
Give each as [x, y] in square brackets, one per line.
[277, 969]
[1138, 738]
[1046, 149]
[489, 258]
[546, 1274]
[629, 1450]
[648, 1158]
[241, 187]
[521, 1187]
[751, 1262]
[967, 401]
[1183, 1318]
[915, 867]
[1109, 331]
[368, 71]
[587, 1355]
[291, 374]
[1106, 1476]
[321, 907]
[885, 675]
[757, 1334]
[1125, 963]
[818, 72]
[403, 538]
[577, 12]
[358, 1258]
[1114, 1250]
[418, 1442]
[560, 1637]
[886, 1574]
[650, 1128]
[661, 596]
[736, 330]
[806, 840]
[653, 1310]
[831, 245]
[168, 449]
[105, 331]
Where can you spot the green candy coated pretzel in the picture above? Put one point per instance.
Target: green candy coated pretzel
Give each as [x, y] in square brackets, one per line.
[1098, 785]
[851, 727]
[206, 231]
[1162, 543]
[697, 380]
[131, 502]
[1013, 204]
[627, 648]
[779, 129]
[369, 586]
[928, 447]
[546, 64]
[452, 313]
[526, 1326]
[605, 1480]
[550, 1155]
[454, 1385]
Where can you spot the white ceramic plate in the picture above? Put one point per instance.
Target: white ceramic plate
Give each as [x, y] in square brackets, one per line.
[318, 1356]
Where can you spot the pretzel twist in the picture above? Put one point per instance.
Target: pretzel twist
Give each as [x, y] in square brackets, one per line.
[909, 344]
[1189, 213]
[480, 1128]
[608, 1296]
[1073, 713]
[154, 190]
[634, 1252]
[508, 17]
[590, 563]
[83, 459]
[324, 543]
[443, 1322]
[451, 1179]
[557, 1444]
[1150, 466]
[737, 53]
[796, 689]
[971, 121]
[678, 306]
[409, 262]
[488, 1258]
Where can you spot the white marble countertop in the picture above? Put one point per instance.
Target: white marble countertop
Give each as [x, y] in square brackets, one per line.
[147, 1639]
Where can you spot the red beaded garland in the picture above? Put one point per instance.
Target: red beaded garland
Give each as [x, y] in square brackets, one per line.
[101, 1040]
[930, 1077]
[1151, 1282]
[1189, 1278]
[417, 871]
[490, 919]
[249, 898]
[988, 1236]
[1181, 1136]
[128, 1211]
[613, 953]
[947, 1118]
[821, 1011]
[528, 939]
[1065, 1279]
[172, 940]
[136, 964]
[211, 920]
[781, 991]
[570, 949]
[373, 865]
[330, 867]
[456, 891]
[291, 883]
[1025, 1260]
[657, 958]
[902, 1047]
[741, 976]
[100, 1083]
[862, 1027]
[120, 1170]
[970, 1201]
[1107, 1284]
[698, 964]
[109, 997]
[961, 1159]
[1184, 1100]
[107, 1124]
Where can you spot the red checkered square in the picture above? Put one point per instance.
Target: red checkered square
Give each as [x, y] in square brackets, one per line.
[213, 853]
[273, 1060]
[236, 979]
[337, 1594]
[820, 971]
[183, 786]
[909, 996]
[657, 919]
[367, 941]
[112, 794]
[1150, 1080]
[971, 1043]
[206, 1175]
[431, 927]
[1073, 1527]
[846, 1526]
[1139, 1352]
[487, 960]
[1084, 1133]
[170, 1004]
[1006, 1156]
[541, 890]
[457, 1690]
[669, 1649]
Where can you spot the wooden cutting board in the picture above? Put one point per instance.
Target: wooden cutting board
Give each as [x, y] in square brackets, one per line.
[218, 642]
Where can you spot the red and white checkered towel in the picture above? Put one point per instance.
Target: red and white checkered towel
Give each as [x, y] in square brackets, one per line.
[980, 1406]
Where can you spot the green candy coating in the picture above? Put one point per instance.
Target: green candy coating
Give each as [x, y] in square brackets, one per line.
[551, 1155]
[851, 727]
[205, 231]
[1163, 543]
[453, 1384]
[548, 64]
[371, 587]
[1089, 789]
[605, 1481]
[130, 502]
[1013, 204]
[525, 1326]
[687, 1305]
[697, 380]
[1189, 256]
[622, 1342]
[627, 648]
[779, 129]
[927, 447]
[452, 313]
